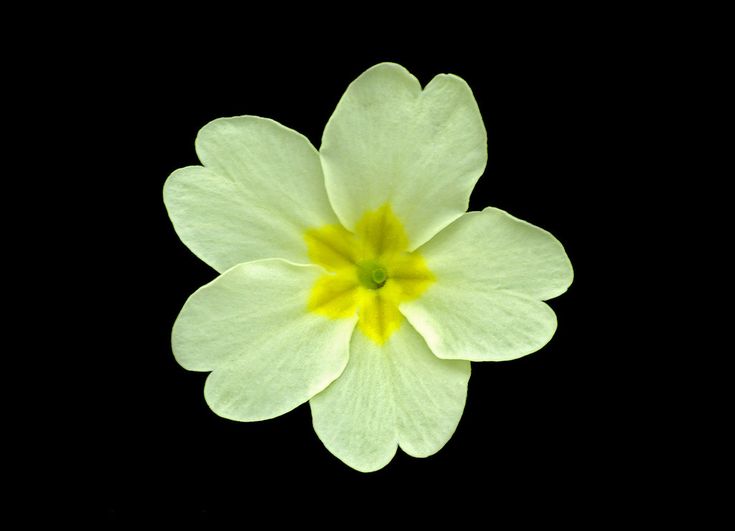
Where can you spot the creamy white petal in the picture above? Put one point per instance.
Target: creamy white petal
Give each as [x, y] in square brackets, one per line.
[494, 250]
[482, 325]
[390, 142]
[491, 270]
[395, 394]
[251, 327]
[260, 188]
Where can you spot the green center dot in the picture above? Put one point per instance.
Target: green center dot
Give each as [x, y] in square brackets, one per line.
[379, 275]
[371, 274]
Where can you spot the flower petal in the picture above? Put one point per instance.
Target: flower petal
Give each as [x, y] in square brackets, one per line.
[480, 326]
[390, 142]
[395, 394]
[261, 188]
[491, 269]
[492, 249]
[268, 352]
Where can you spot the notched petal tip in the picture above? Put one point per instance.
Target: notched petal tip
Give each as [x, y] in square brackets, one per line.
[389, 140]
[390, 395]
[268, 354]
[260, 183]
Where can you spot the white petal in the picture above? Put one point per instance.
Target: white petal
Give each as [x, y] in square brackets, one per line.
[483, 325]
[395, 394]
[261, 188]
[251, 326]
[390, 142]
[494, 250]
[491, 271]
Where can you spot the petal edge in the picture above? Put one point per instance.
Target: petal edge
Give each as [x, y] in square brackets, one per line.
[268, 353]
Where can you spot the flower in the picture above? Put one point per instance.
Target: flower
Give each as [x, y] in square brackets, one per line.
[352, 277]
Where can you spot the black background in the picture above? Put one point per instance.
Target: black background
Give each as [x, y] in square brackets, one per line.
[540, 436]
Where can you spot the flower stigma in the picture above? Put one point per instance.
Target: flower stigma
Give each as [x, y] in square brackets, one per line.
[371, 274]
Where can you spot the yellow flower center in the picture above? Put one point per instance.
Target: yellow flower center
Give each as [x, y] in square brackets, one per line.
[370, 272]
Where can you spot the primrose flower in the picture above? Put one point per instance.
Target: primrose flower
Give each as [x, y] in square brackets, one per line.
[352, 277]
